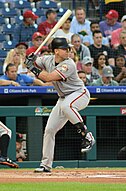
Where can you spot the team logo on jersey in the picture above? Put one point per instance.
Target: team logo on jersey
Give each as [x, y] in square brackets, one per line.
[64, 67]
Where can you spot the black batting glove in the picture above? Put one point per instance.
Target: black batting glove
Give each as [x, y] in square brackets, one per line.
[29, 62]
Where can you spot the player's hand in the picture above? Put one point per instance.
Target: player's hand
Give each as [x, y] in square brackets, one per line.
[29, 62]
[30, 59]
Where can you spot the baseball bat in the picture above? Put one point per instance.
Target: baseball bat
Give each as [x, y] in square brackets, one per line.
[55, 28]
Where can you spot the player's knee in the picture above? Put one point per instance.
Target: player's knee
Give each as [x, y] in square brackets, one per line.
[50, 131]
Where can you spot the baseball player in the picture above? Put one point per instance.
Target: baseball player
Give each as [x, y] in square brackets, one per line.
[73, 97]
[5, 136]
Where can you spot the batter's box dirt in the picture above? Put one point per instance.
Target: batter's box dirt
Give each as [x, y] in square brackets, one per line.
[64, 175]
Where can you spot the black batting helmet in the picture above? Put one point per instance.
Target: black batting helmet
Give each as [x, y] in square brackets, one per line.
[59, 43]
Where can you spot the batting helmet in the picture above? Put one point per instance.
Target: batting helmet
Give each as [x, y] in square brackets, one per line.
[59, 43]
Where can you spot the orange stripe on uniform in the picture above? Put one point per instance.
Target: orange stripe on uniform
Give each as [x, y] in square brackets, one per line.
[73, 102]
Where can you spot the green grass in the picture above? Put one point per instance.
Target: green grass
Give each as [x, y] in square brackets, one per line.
[61, 186]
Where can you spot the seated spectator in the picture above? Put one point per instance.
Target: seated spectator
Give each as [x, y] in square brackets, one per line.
[99, 63]
[110, 24]
[37, 39]
[106, 78]
[122, 154]
[20, 155]
[119, 70]
[82, 76]
[73, 55]
[115, 41]
[11, 78]
[45, 27]
[80, 25]
[21, 50]
[64, 31]
[121, 49]
[80, 48]
[88, 39]
[98, 47]
[118, 5]
[87, 67]
[25, 30]
[14, 56]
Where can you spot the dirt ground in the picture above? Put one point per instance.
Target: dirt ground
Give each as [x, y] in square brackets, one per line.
[64, 175]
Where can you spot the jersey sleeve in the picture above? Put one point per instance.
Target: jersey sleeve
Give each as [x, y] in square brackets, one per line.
[66, 69]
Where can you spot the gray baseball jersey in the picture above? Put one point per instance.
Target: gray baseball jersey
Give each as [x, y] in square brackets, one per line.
[68, 72]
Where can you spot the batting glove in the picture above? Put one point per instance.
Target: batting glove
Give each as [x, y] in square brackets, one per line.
[29, 62]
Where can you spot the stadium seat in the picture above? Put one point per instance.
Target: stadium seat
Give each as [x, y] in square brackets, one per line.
[8, 29]
[39, 12]
[2, 5]
[2, 37]
[18, 19]
[7, 12]
[3, 53]
[22, 4]
[7, 45]
[46, 4]
[61, 11]
[2, 21]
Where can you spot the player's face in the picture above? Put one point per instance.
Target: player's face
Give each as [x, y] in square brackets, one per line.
[12, 73]
[62, 54]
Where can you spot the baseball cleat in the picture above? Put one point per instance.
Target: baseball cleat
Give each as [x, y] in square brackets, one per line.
[42, 169]
[8, 162]
[87, 142]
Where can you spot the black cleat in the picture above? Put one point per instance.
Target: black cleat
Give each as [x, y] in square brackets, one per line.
[87, 142]
[8, 162]
[42, 169]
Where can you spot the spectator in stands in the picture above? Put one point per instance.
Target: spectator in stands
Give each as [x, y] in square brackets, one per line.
[122, 154]
[119, 70]
[87, 67]
[20, 155]
[121, 49]
[118, 5]
[24, 30]
[100, 62]
[81, 49]
[14, 56]
[11, 78]
[73, 54]
[21, 50]
[115, 40]
[80, 25]
[5, 137]
[110, 24]
[98, 47]
[82, 76]
[37, 39]
[106, 78]
[45, 27]
[65, 30]
[88, 39]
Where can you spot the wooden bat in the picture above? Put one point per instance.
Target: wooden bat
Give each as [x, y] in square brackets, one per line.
[55, 28]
